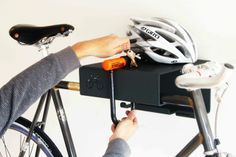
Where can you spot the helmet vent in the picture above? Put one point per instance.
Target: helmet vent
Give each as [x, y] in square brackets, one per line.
[154, 26]
[138, 49]
[165, 37]
[129, 33]
[133, 41]
[181, 49]
[163, 53]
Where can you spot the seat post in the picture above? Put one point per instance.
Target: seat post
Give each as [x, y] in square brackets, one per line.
[43, 49]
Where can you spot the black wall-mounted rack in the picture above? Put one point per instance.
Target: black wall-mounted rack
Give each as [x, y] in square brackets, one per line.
[150, 86]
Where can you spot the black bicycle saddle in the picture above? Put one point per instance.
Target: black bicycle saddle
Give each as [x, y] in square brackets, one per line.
[29, 34]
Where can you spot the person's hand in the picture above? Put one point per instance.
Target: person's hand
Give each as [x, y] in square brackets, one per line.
[101, 47]
[126, 127]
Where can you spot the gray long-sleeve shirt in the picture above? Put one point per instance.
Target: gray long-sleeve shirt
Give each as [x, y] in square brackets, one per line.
[24, 89]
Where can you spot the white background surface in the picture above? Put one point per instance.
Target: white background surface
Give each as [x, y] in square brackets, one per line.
[211, 23]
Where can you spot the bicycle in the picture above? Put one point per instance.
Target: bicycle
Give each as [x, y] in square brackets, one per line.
[34, 131]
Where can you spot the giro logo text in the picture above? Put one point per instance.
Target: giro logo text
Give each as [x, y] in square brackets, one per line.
[153, 34]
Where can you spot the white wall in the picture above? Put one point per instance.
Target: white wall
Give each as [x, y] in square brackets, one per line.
[211, 22]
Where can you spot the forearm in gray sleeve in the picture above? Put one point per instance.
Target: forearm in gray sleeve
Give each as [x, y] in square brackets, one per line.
[117, 148]
[25, 88]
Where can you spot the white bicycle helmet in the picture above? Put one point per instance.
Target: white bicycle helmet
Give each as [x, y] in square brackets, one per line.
[161, 40]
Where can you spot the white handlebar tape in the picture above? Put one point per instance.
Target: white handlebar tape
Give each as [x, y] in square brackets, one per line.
[204, 76]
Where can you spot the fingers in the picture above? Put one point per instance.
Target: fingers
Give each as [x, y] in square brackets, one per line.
[122, 44]
[113, 127]
[124, 118]
[125, 43]
[135, 121]
[131, 115]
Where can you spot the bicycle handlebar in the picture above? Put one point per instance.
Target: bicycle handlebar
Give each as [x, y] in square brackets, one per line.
[204, 76]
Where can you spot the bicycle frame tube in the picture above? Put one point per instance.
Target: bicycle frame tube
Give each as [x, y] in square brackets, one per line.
[54, 93]
[191, 146]
[205, 135]
[33, 125]
[44, 118]
[203, 123]
[63, 122]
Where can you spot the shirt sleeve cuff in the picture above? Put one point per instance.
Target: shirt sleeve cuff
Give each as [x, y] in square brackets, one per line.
[118, 147]
[68, 59]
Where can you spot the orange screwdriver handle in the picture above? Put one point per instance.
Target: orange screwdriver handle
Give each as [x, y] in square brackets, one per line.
[115, 63]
